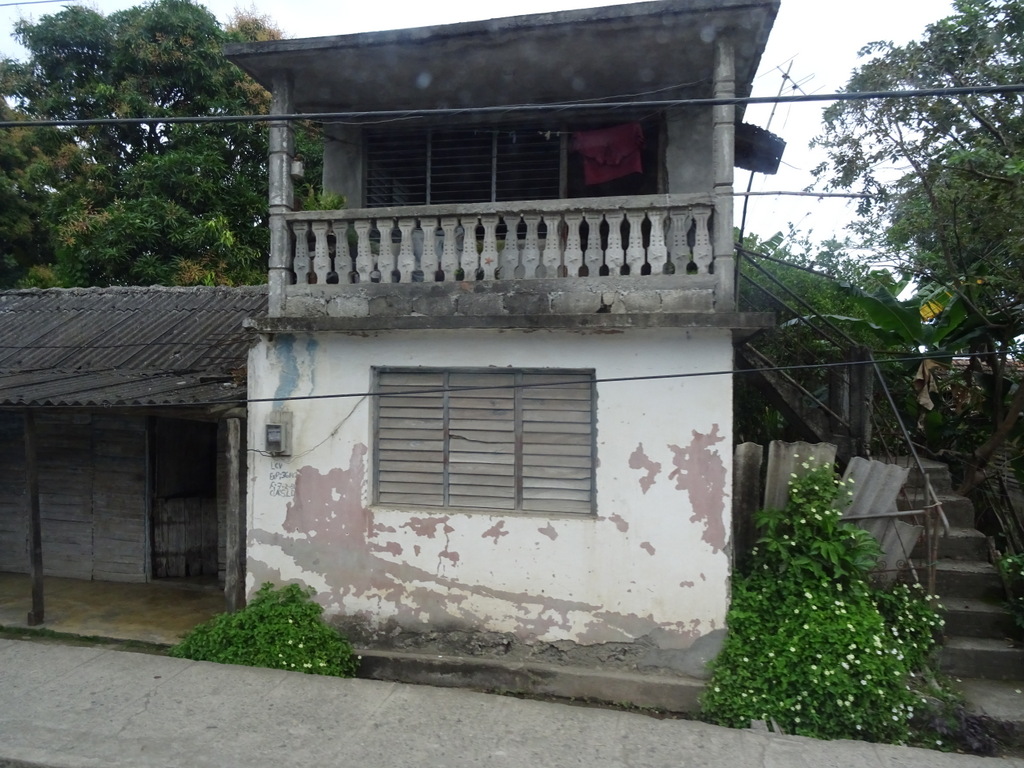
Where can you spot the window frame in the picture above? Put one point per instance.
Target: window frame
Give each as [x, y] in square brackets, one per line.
[529, 457]
[400, 167]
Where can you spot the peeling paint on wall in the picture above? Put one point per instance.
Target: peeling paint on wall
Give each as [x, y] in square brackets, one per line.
[326, 534]
[700, 472]
[427, 526]
[433, 571]
[611, 627]
[620, 522]
[331, 537]
[549, 531]
[288, 375]
[495, 531]
[639, 460]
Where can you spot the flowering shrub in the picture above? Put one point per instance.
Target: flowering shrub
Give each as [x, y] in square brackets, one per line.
[279, 628]
[808, 646]
[912, 621]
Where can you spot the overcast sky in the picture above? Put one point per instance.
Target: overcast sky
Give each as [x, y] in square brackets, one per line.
[817, 39]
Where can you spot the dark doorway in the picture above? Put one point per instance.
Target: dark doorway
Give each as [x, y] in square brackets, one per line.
[185, 526]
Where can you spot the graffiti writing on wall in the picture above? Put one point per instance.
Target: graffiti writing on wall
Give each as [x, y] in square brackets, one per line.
[282, 480]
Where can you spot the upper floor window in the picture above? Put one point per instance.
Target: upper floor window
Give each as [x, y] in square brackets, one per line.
[484, 165]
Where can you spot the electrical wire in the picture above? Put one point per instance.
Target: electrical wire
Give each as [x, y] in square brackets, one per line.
[368, 116]
[241, 401]
[35, 2]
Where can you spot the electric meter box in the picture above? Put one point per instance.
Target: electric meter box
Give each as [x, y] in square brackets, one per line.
[278, 436]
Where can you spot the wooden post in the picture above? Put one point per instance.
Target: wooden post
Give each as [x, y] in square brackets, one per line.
[37, 615]
[862, 380]
[746, 499]
[234, 521]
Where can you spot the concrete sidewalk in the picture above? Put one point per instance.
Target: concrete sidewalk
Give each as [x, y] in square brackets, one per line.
[70, 706]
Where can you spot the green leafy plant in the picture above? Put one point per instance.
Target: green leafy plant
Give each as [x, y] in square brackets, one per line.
[323, 201]
[280, 628]
[808, 646]
[1011, 567]
[912, 619]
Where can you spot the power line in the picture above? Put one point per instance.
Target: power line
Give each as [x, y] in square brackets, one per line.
[35, 2]
[388, 115]
[240, 401]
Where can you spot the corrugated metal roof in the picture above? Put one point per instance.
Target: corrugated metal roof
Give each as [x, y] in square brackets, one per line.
[125, 346]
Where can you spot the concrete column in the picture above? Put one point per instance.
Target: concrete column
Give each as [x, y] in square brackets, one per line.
[723, 161]
[282, 192]
[687, 171]
[343, 163]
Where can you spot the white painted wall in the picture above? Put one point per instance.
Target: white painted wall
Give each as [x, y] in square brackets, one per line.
[653, 561]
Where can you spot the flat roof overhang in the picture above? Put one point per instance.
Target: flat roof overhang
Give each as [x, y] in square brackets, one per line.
[649, 51]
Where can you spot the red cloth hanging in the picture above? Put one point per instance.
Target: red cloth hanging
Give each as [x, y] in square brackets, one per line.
[610, 153]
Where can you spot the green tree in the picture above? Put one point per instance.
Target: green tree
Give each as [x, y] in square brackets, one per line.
[156, 202]
[944, 200]
[22, 236]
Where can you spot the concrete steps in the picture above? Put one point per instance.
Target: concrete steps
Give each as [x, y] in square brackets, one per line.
[959, 511]
[982, 657]
[1000, 705]
[968, 617]
[968, 578]
[960, 544]
[980, 634]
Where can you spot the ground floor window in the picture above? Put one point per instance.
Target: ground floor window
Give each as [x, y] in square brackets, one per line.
[517, 440]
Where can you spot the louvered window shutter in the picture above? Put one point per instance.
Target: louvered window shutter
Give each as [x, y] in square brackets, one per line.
[509, 440]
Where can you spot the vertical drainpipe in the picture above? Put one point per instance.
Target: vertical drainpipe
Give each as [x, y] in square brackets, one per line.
[282, 192]
[724, 140]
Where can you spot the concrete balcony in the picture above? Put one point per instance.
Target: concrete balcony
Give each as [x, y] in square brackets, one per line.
[640, 260]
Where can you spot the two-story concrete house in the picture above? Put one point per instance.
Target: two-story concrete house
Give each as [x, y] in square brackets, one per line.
[491, 400]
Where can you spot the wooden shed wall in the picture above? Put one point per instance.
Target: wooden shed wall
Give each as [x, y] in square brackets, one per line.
[92, 495]
[13, 514]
